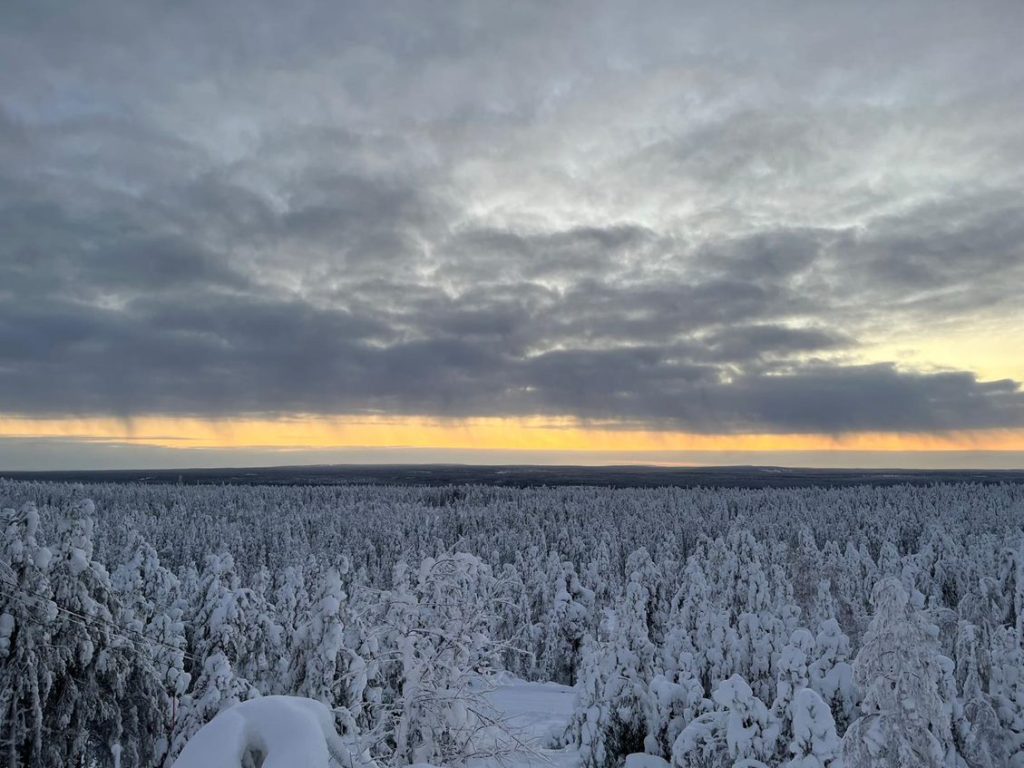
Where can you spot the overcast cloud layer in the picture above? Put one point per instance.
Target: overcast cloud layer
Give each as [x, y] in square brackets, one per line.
[679, 217]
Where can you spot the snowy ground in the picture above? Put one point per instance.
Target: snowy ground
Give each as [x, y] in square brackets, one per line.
[537, 713]
[290, 730]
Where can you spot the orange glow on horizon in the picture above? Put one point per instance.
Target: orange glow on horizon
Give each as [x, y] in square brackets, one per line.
[528, 434]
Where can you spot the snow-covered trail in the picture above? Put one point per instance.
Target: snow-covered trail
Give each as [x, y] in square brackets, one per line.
[538, 714]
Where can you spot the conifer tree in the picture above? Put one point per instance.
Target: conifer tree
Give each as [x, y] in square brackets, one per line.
[323, 667]
[978, 731]
[28, 664]
[813, 742]
[831, 674]
[740, 728]
[106, 691]
[1007, 688]
[904, 719]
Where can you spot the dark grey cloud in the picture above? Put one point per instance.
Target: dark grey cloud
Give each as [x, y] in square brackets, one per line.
[746, 343]
[697, 218]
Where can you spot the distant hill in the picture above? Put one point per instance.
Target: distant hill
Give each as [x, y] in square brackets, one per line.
[530, 476]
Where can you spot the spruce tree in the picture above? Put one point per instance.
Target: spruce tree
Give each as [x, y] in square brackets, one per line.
[904, 718]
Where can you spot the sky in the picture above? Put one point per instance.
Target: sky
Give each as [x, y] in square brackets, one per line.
[590, 232]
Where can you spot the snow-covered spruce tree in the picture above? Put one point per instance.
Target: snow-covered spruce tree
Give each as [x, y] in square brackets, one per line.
[699, 626]
[322, 666]
[1007, 688]
[597, 573]
[1013, 585]
[291, 605]
[107, 694]
[676, 697]
[761, 640]
[266, 664]
[235, 620]
[189, 581]
[368, 687]
[613, 706]
[263, 582]
[890, 564]
[904, 719]
[824, 605]
[831, 674]
[740, 728]
[978, 731]
[807, 559]
[851, 574]
[982, 603]
[222, 637]
[748, 591]
[317, 648]
[152, 606]
[642, 569]
[28, 664]
[972, 653]
[398, 616]
[813, 742]
[792, 675]
[515, 629]
[737, 574]
[587, 729]
[291, 598]
[137, 729]
[980, 613]
[943, 577]
[568, 621]
[150, 612]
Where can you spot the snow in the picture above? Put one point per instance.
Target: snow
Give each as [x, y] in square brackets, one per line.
[450, 636]
[79, 560]
[288, 731]
[537, 714]
[640, 760]
[291, 731]
[6, 630]
[43, 557]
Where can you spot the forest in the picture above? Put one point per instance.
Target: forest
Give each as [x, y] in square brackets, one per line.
[842, 627]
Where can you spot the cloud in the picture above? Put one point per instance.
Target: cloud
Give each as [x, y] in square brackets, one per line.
[681, 218]
[879, 397]
[746, 343]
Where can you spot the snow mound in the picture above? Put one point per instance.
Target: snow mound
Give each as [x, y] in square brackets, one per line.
[640, 760]
[285, 731]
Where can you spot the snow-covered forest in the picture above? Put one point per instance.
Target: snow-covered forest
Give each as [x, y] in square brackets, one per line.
[809, 627]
